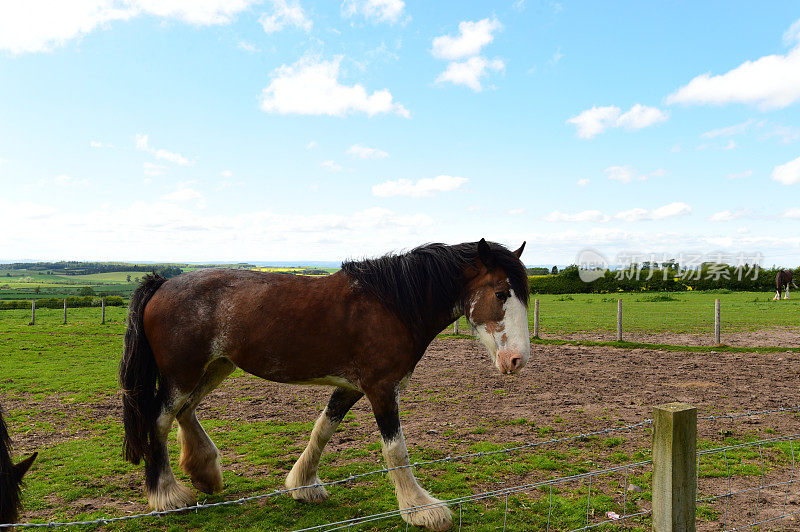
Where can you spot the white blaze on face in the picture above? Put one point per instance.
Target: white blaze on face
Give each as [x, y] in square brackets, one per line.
[510, 334]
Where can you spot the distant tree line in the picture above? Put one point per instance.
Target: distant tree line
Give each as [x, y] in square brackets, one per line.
[54, 302]
[707, 276]
[87, 268]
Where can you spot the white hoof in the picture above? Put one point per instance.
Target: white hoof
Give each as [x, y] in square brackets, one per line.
[171, 496]
[309, 494]
[435, 518]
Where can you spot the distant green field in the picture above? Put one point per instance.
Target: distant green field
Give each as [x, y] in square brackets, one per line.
[674, 312]
[36, 283]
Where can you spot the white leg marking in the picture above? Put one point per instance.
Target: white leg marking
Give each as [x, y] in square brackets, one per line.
[304, 472]
[409, 492]
[199, 455]
[169, 493]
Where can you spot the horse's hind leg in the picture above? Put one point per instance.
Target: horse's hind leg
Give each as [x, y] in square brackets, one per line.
[304, 472]
[199, 455]
[164, 492]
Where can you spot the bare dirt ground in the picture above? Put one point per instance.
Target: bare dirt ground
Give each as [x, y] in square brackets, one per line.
[767, 337]
[456, 398]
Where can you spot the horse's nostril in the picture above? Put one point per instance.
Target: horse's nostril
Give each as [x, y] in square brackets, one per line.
[516, 361]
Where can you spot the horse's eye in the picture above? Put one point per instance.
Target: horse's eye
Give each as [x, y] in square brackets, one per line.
[502, 296]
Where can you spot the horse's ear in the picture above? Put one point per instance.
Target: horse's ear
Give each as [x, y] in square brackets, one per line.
[518, 252]
[21, 468]
[485, 254]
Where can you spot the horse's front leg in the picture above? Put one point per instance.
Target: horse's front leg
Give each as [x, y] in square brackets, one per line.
[436, 515]
[304, 472]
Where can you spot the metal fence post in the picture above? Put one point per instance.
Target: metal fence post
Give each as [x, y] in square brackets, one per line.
[536, 318]
[674, 467]
[619, 320]
[103, 306]
[717, 321]
[33, 312]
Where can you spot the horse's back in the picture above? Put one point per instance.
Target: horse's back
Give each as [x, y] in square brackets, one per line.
[281, 327]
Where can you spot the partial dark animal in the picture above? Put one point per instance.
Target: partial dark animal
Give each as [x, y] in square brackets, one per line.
[782, 281]
[361, 330]
[10, 477]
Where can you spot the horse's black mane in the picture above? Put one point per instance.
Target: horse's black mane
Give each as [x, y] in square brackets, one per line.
[429, 276]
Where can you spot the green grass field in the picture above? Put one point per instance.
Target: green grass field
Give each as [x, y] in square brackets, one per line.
[659, 312]
[54, 375]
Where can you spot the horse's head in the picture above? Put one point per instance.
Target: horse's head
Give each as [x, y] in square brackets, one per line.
[496, 305]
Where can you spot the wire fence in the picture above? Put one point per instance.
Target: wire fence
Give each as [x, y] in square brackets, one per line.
[739, 485]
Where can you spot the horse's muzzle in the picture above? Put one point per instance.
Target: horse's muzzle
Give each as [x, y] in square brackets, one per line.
[509, 362]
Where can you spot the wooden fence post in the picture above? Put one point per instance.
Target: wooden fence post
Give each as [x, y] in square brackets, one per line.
[33, 312]
[717, 322]
[455, 326]
[103, 306]
[536, 318]
[619, 320]
[65, 312]
[674, 467]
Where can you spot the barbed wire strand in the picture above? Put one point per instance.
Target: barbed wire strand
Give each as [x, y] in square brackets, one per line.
[474, 497]
[348, 479]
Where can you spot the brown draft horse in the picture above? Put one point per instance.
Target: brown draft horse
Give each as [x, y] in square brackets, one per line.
[10, 477]
[362, 330]
[782, 282]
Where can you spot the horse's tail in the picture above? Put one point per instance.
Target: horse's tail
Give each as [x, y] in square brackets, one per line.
[10, 477]
[139, 376]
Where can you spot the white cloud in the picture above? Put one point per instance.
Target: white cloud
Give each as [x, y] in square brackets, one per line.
[472, 37]
[516, 212]
[43, 25]
[423, 188]
[247, 47]
[3, 161]
[736, 129]
[143, 144]
[63, 180]
[739, 175]
[374, 10]
[583, 182]
[727, 215]
[359, 151]
[152, 169]
[98, 144]
[226, 174]
[583, 216]
[792, 213]
[787, 134]
[470, 72]
[670, 210]
[185, 193]
[787, 174]
[626, 174]
[285, 13]
[556, 57]
[596, 120]
[331, 166]
[640, 116]
[770, 82]
[623, 174]
[311, 87]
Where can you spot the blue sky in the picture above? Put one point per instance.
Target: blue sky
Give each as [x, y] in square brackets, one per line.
[295, 130]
